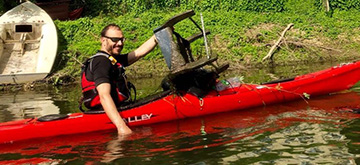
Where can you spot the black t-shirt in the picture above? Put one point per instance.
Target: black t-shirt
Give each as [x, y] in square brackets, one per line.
[101, 69]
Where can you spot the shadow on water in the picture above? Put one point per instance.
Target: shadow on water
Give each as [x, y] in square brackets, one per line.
[324, 131]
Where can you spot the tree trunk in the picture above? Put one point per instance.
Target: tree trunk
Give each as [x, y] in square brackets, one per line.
[327, 5]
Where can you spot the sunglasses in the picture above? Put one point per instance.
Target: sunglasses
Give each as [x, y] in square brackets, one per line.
[116, 39]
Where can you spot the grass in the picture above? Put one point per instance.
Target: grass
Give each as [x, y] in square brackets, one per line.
[240, 37]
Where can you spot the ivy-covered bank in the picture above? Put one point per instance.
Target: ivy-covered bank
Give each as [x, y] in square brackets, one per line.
[236, 36]
[242, 31]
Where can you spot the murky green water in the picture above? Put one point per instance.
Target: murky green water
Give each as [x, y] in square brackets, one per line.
[320, 132]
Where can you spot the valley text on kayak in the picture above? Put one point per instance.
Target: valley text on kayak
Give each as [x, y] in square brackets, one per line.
[138, 118]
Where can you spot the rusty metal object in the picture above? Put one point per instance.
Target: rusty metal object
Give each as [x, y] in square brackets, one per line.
[176, 49]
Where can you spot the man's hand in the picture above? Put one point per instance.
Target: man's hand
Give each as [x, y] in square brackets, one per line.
[124, 130]
[110, 109]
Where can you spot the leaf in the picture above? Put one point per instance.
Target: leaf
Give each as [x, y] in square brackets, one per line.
[278, 87]
[241, 78]
[306, 95]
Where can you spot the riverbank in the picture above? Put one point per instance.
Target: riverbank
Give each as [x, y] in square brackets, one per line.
[152, 71]
[239, 37]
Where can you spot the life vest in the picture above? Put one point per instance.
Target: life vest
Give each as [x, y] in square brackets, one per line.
[120, 87]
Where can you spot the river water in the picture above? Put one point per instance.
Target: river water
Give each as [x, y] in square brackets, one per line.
[322, 131]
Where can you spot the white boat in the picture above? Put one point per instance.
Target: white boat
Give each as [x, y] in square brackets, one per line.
[28, 44]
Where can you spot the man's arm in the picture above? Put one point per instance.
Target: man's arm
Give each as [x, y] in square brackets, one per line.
[143, 50]
[110, 108]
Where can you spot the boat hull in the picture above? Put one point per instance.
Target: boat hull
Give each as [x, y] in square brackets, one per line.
[28, 44]
[174, 107]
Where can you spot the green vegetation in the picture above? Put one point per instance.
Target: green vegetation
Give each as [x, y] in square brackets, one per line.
[242, 31]
[119, 7]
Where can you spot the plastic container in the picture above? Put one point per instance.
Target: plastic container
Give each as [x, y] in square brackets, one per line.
[234, 82]
[228, 83]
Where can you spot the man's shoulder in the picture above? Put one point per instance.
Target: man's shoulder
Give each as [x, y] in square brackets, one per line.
[100, 61]
[122, 55]
[123, 59]
[100, 53]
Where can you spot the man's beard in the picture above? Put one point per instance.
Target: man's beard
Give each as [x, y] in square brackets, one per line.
[116, 50]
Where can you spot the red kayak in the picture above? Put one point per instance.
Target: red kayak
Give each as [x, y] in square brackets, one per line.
[168, 106]
[189, 91]
[333, 111]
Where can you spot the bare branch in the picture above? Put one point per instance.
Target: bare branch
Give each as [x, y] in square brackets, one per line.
[277, 44]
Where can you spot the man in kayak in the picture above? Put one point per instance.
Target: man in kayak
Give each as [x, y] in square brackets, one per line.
[103, 79]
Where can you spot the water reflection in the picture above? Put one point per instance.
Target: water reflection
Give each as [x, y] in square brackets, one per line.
[352, 132]
[27, 104]
[322, 131]
[114, 149]
[292, 133]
